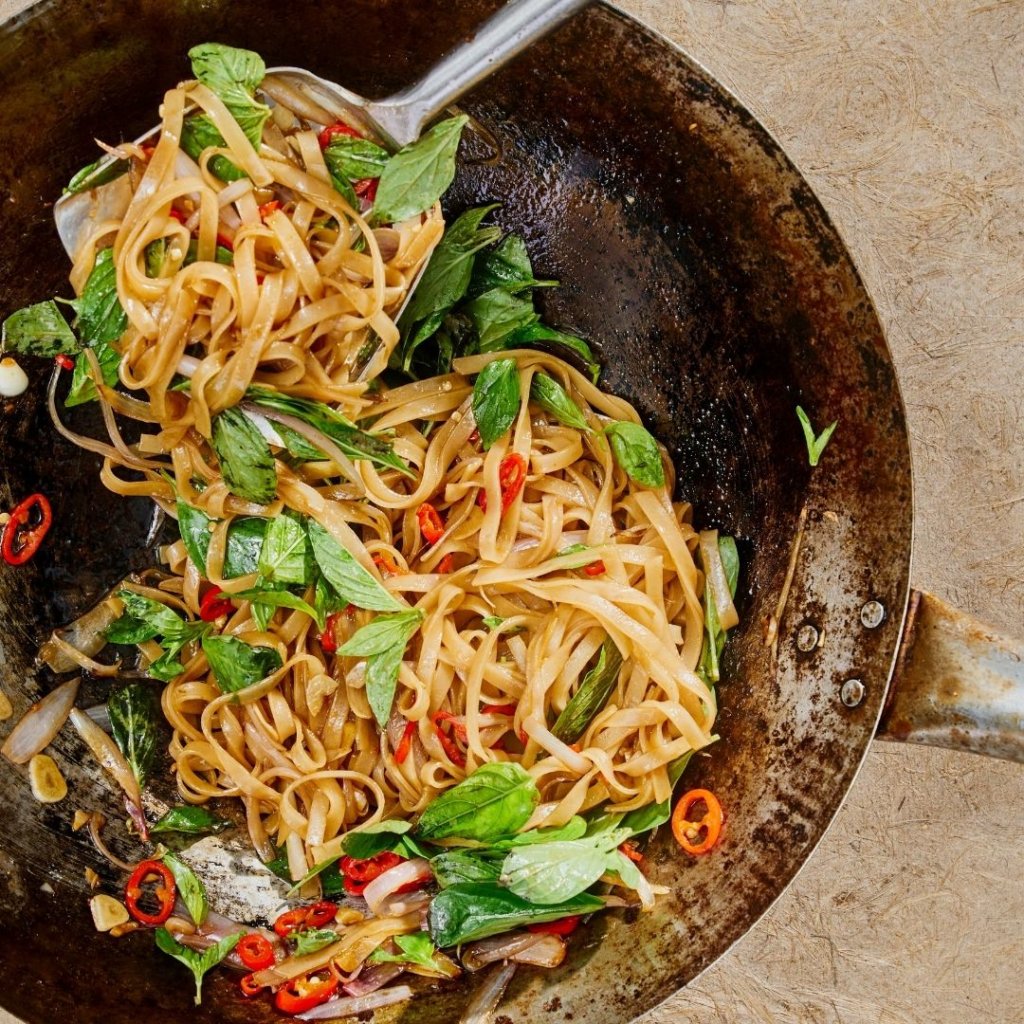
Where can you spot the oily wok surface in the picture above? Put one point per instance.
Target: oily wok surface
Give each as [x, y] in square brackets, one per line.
[718, 295]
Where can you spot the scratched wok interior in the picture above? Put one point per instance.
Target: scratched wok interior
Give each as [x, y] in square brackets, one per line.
[718, 297]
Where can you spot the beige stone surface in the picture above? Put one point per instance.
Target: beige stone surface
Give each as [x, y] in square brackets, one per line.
[907, 117]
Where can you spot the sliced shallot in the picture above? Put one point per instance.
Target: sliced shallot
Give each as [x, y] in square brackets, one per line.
[372, 978]
[86, 634]
[40, 723]
[498, 947]
[390, 881]
[352, 1005]
[486, 998]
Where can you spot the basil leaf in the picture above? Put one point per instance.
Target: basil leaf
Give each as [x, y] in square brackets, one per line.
[39, 330]
[236, 664]
[507, 266]
[382, 642]
[133, 723]
[271, 599]
[815, 444]
[190, 889]
[549, 873]
[476, 910]
[100, 316]
[591, 695]
[143, 619]
[296, 445]
[234, 75]
[245, 458]
[353, 584]
[497, 799]
[82, 387]
[369, 840]
[457, 867]
[496, 398]
[546, 392]
[637, 453]
[419, 174]
[190, 820]
[573, 350]
[285, 556]
[99, 172]
[353, 159]
[197, 963]
[312, 940]
[244, 543]
[417, 948]
[355, 443]
[497, 314]
[495, 621]
[445, 280]
[198, 133]
[574, 828]
[730, 561]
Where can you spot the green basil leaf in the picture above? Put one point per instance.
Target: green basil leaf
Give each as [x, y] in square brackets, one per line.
[312, 940]
[39, 330]
[497, 314]
[730, 561]
[198, 963]
[369, 840]
[496, 399]
[133, 723]
[143, 619]
[476, 910]
[355, 443]
[574, 828]
[190, 820]
[353, 584]
[82, 388]
[236, 664]
[190, 888]
[99, 172]
[419, 174]
[548, 873]
[354, 159]
[495, 622]
[496, 800]
[296, 445]
[198, 134]
[417, 948]
[546, 392]
[637, 453]
[507, 266]
[457, 867]
[270, 599]
[234, 75]
[285, 556]
[643, 819]
[573, 350]
[244, 543]
[815, 444]
[100, 317]
[246, 461]
[155, 253]
[591, 695]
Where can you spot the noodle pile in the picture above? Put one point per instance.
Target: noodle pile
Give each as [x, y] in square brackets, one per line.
[308, 308]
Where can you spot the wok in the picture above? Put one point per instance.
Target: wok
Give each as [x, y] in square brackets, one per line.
[719, 296]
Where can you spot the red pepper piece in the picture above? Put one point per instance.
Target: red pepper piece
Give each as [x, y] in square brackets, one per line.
[227, 243]
[431, 523]
[166, 892]
[366, 188]
[290, 921]
[499, 709]
[268, 208]
[249, 986]
[321, 914]
[27, 526]
[450, 747]
[563, 926]
[594, 568]
[176, 214]
[629, 848]
[329, 638]
[359, 872]
[405, 744]
[511, 477]
[255, 951]
[386, 564]
[315, 916]
[474, 437]
[446, 564]
[213, 606]
[338, 128]
[65, 362]
[306, 991]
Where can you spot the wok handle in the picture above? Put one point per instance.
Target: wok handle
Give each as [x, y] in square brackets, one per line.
[504, 35]
[956, 684]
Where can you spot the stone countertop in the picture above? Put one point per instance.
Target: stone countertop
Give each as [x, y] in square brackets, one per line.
[907, 118]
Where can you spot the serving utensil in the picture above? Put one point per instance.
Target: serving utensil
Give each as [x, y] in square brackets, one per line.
[395, 121]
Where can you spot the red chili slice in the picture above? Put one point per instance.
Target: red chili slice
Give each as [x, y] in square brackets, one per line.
[594, 568]
[165, 891]
[359, 872]
[27, 526]
[249, 986]
[329, 638]
[431, 523]
[255, 951]
[301, 918]
[366, 188]
[268, 208]
[290, 921]
[450, 747]
[511, 477]
[227, 243]
[306, 991]
[405, 744]
[338, 128]
[446, 564]
[213, 606]
[321, 914]
[65, 362]
[499, 709]
[386, 564]
[563, 926]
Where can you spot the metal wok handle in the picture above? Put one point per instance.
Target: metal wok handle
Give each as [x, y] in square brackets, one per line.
[956, 684]
[507, 33]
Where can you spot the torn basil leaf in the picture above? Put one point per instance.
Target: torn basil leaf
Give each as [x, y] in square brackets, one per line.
[591, 695]
[637, 453]
[190, 820]
[39, 330]
[546, 392]
[246, 461]
[133, 723]
[99, 172]
[237, 665]
[496, 398]
[352, 583]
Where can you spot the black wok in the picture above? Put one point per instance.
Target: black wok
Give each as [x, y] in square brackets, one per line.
[719, 296]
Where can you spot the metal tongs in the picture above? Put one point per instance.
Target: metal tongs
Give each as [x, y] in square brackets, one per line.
[395, 121]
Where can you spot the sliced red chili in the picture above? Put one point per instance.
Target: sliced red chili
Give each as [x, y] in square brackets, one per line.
[306, 991]
[329, 638]
[290, 921]
[213, 606]
[255, 951]
[338, 128]
[386, 564]
[563, 926]
[629, 848]
[302, 918]
[499, 709]
[405, 744]
[450, 747]
[227, 243]
[176, 214]
[511, 477]
[359, 872]
[446, 564]
[268, 208]
[321, 914]
[431, 523]
[65, 362]
[165, 892]
[702, 834]
[250, 986]
[27, 526]
[594, 568]
[366, 188]
[474, 437]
